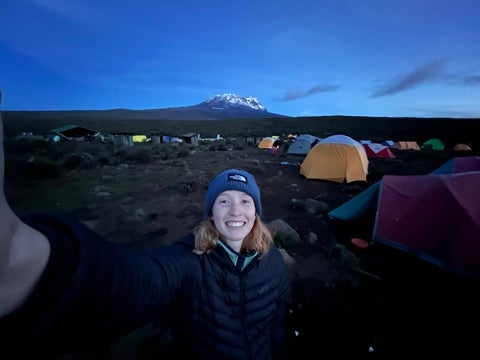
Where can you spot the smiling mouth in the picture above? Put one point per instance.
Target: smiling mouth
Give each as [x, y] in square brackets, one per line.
[235, 223]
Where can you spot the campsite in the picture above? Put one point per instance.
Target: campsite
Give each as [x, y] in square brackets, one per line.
[376, 301]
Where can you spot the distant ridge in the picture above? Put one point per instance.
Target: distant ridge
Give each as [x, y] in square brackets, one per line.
[219, 107]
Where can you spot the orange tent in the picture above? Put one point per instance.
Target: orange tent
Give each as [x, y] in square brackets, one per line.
[336, 158]
[406, 145]
[268, 143]
[462, 147]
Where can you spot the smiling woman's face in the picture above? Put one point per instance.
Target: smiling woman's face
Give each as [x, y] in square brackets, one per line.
[234, 216]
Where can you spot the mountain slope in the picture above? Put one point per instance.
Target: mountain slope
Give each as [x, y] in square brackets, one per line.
[219, 107]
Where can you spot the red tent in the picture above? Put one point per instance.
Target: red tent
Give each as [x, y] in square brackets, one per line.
[434, 216]
[378, 150]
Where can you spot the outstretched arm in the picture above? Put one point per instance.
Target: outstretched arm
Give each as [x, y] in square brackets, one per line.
[24, 252]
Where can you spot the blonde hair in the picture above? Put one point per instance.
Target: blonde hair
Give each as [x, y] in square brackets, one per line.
[259, 239]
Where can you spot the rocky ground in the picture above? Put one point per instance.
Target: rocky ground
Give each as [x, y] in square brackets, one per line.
[369, 303]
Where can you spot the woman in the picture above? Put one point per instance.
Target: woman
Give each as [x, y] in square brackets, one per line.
[225, 286]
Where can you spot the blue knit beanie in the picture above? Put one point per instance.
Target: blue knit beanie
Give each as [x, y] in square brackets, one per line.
[232, 179]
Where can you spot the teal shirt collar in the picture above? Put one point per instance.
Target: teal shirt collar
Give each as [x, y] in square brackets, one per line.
[238, 260]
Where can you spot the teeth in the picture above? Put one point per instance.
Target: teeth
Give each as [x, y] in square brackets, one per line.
[235, 223]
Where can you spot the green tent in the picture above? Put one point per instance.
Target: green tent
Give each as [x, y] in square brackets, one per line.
[434, 144]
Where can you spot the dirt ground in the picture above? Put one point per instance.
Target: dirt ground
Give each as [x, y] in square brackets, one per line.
[370, 303]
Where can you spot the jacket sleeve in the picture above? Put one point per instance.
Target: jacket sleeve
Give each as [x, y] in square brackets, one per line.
[278, 337]
[94, 290]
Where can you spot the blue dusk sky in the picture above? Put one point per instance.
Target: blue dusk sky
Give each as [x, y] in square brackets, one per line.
[418, 58]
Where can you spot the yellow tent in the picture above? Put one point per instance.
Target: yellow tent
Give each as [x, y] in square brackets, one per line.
[267, 143]
[139, 138]
[336, 158]
[406, 145]
[462, 147]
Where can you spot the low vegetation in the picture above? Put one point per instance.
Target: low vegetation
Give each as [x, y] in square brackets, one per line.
[450, 131]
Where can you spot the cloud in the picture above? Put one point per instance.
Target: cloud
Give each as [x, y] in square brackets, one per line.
[70, 10]
[463, 80]
[449, 113]
[429, 72]
[473, 80]
[298, 94]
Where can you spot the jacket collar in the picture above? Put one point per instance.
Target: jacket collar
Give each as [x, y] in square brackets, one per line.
[240, 261]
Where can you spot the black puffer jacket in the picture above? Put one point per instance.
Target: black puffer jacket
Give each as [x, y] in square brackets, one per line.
[94, 290]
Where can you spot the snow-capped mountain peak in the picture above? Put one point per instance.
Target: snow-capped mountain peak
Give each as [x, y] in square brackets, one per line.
[233, 101]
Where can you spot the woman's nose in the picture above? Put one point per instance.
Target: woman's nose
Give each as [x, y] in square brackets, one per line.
[235, 208]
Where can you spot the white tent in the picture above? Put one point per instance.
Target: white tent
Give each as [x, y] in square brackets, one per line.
[302, 144]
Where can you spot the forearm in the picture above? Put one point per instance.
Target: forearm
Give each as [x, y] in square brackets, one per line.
[24, 256]
[23, 251]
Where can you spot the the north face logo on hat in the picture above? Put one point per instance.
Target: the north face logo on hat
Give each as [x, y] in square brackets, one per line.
[237, 177]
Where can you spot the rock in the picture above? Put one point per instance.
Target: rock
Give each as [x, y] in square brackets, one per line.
[316, 207]
[281, 229]
[290, 261]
